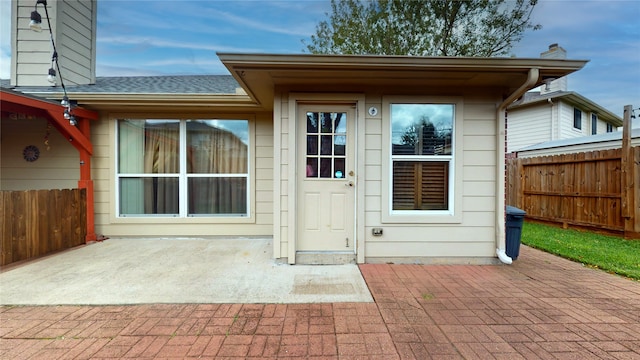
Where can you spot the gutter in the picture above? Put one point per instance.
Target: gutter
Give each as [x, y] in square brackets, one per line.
[532, 79]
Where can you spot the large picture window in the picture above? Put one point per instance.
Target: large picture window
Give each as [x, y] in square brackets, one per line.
[182, 168]
[421, 157]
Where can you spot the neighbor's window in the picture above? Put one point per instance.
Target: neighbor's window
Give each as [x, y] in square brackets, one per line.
[421, 156]
[594, 124]
[577, 118]
[609, 127]
[182, 168]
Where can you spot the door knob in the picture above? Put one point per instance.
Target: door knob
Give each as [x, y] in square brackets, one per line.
[350, 183]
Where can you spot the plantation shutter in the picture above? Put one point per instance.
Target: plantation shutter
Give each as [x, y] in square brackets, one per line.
[420, 185]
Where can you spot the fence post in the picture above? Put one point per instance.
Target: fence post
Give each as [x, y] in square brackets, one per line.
[628, 195]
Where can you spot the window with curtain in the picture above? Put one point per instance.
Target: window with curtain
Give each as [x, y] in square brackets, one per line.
[421, 156]
[181, 168]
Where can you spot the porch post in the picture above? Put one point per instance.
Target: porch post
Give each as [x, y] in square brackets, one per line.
[86, 182]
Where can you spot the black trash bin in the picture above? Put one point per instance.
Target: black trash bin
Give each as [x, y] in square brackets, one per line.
[515, 218]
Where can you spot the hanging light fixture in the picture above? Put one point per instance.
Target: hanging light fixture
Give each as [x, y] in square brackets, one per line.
[36, 21]
[52, 76]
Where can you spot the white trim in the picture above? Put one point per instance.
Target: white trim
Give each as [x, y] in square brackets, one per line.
[329, 99]
[183, 218]
[454, 213]
[277, 179]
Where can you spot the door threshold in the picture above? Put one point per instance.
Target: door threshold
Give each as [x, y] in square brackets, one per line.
[325, 258]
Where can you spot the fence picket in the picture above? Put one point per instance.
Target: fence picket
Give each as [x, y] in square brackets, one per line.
[36, 222]
[581, 189]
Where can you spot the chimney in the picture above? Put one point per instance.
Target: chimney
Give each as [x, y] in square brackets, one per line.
[73, 26]
[555, 52]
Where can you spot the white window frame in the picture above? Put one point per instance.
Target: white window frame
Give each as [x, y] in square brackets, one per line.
[183, 216]
[454, 213]
[575, 110]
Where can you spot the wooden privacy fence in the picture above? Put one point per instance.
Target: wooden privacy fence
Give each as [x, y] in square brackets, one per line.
[589, 189]
[37, 222]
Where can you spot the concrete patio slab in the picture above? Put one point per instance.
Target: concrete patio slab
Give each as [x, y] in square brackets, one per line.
[140, 271]
[540, 307]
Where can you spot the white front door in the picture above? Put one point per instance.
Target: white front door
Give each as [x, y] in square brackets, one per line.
[326, 178]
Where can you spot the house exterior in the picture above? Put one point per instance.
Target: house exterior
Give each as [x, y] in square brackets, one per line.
[554, 113]
[337, 158]
[606, 141]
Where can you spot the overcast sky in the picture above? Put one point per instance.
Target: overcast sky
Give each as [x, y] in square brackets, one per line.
[182, 37]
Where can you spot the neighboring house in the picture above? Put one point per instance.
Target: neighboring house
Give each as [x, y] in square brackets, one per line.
[553, 113]
[605, 141]
[337, 158]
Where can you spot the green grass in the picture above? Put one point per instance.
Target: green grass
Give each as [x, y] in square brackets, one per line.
[610, 253]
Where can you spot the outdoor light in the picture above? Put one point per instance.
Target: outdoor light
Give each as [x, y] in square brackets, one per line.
[36, 21]
[52, 76]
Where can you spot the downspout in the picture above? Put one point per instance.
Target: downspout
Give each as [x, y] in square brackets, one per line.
[532, 79]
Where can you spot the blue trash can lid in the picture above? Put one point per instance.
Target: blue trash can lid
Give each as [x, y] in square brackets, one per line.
[512, 210]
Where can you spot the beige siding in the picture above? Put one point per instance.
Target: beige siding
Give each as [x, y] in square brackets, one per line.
[76, 41]
[56, 168]
[472, 236]
[260, 224]
[73, 23]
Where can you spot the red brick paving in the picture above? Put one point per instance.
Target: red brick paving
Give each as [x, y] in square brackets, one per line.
[541, 307]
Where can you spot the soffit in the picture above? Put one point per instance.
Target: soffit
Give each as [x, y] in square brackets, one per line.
[259, 74]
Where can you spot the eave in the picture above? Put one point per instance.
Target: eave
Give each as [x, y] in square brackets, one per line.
[576, 99]
[260, 74]
[160, 102]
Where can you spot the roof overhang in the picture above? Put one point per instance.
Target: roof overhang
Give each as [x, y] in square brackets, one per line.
[260, 74]
[154, 102]
[576, 99]
[19, 103]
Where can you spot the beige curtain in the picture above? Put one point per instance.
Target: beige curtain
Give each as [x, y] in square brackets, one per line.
[161, 156]
[213, 150]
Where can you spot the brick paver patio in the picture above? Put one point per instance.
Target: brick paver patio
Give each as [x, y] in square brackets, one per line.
[541, 307]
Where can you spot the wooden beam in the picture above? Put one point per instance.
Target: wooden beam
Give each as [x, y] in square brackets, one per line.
[18, 102]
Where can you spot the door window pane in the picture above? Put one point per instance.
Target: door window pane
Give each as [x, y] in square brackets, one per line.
[312, 167]
[326, 145]
[339, 144]
[325, 168]
[338, 168]
[312, 144]
[312, 122]
[327, 159]
[326, 122]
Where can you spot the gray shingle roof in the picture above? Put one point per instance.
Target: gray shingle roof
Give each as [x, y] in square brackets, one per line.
[178, 84]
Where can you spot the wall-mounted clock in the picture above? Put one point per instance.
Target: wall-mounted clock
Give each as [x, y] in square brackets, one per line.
[31, 153]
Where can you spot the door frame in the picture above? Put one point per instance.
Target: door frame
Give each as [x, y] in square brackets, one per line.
[358, 100]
